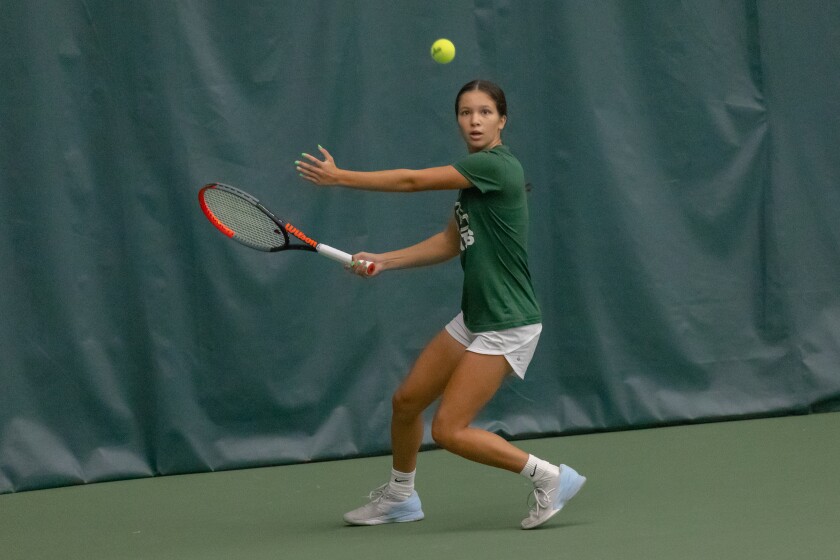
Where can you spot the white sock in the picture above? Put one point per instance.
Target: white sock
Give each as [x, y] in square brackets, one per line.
[401, 484]
[539, 472]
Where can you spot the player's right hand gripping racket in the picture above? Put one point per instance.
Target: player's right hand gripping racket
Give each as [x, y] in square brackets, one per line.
[243, 218]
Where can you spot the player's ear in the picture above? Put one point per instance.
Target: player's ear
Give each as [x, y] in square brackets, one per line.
[502, 121]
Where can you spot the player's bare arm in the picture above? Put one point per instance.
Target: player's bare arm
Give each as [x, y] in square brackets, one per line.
[326, 172]
[436, 249]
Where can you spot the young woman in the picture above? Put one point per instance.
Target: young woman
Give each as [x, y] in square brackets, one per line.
[497, 330]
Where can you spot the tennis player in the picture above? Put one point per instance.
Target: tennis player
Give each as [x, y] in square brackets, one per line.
[497, 330]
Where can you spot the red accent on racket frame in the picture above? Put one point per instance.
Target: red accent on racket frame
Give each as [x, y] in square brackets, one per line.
[212, 217]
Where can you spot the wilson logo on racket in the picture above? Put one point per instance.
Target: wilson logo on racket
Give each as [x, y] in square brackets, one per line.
[300, 235]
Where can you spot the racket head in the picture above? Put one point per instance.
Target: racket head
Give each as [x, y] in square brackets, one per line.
[241, 217]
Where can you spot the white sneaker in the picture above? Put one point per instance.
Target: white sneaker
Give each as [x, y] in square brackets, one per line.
[384, 509]
[551, 499]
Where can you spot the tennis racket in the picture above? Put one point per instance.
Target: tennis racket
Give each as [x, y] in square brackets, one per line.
[243, 218]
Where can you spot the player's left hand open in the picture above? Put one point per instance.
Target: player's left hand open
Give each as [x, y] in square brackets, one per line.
[320, 172]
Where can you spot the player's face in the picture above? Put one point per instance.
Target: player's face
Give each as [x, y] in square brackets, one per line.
[479, 120]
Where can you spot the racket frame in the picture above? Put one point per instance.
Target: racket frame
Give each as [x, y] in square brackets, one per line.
[284, 228]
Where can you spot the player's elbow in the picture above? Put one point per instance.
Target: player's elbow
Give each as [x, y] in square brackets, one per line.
[452, 244]
[410, 185]
[412, 181]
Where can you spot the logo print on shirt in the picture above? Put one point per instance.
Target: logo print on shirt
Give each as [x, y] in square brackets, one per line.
[467, 236]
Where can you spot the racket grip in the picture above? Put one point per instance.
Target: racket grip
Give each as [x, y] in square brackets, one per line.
[342, 257]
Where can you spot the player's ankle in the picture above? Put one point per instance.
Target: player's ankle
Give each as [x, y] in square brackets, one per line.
[539, 472]
[401, 485]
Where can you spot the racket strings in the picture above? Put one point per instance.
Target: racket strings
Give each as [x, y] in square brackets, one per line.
[248, 223]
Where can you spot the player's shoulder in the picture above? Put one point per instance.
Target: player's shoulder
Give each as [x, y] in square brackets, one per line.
[498, 151]
[501, 155]
[496, 156]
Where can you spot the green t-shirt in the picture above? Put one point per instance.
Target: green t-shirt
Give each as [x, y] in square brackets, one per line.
[492, 217]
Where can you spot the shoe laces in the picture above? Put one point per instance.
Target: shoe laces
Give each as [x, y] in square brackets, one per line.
[541, 499]
[379, 493]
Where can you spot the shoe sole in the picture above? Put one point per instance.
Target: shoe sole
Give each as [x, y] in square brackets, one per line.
[380, 521]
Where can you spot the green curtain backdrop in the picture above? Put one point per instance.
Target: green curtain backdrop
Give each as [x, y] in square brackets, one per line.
[685, 220]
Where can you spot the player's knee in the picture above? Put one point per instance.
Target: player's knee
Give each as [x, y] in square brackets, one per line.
[444, 435]
[403, 404]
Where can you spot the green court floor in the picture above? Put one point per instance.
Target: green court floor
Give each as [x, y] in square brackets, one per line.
[759, 489]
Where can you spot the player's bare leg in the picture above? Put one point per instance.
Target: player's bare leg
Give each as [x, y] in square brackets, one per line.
[473, 383]
[396, 501]
[424, 384]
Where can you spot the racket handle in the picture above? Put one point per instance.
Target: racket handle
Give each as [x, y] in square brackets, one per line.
[342, 257]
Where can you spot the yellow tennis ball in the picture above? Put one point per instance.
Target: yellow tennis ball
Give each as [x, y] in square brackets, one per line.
[443, 51]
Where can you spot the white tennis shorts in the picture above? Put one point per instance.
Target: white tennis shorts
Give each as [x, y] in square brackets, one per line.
[517, 345]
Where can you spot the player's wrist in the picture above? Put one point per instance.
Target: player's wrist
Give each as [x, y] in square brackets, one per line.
[343, 177]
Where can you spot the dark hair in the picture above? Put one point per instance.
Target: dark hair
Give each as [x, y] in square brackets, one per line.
[491, 89]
